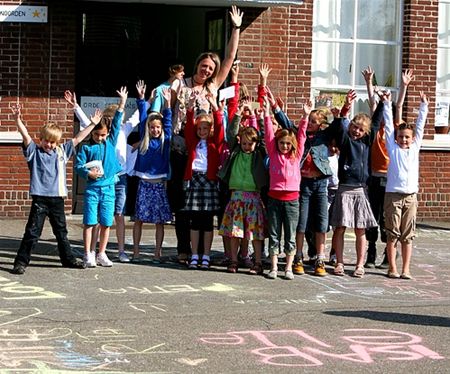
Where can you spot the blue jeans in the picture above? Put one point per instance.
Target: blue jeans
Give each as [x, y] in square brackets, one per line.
[313, 205]
[121, 195]
[282, 215]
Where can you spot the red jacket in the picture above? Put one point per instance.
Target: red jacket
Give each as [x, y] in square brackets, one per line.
[214, 144]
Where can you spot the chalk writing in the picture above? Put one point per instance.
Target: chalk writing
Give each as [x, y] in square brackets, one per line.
[366, 345]
[17, 291]
[168, 289]
[12, 315]
[319, 299]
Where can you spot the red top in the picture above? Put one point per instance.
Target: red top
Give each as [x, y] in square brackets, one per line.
[214, 145]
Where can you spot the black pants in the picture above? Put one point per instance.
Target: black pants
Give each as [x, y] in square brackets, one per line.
[376, 190]
[42, 207]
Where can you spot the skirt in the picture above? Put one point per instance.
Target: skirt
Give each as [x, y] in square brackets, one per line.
[244, 217]
[351, 208]
[201, 194]
[152, 204]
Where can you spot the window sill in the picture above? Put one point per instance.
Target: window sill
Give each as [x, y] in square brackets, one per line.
[440, 142]
[8, 137]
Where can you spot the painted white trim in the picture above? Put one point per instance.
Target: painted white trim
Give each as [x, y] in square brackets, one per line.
[10, 137]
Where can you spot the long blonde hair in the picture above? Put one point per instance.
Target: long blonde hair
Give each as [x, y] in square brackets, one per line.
[145, 141]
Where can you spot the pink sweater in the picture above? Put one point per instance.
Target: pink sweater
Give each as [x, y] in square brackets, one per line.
[284, 172]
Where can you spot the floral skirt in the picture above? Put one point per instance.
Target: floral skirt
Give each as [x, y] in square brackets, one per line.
[244, 217]
[152, 204]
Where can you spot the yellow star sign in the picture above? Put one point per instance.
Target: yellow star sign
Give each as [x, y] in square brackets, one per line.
[36, 13]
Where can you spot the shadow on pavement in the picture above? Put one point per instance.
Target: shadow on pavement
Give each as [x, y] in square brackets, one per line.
[410, 319]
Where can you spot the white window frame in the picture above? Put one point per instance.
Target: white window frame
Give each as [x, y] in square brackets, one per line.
[361, 89]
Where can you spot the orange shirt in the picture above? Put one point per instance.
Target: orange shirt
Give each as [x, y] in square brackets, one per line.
[379, 159]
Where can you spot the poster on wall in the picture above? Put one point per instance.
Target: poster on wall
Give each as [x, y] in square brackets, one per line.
[23, 13]
[90, 103]
[442, 112]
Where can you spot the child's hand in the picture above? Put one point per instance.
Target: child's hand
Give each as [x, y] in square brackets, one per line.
[234, 73]
[123, 93]
[407, 77]
[152, 97]
[368, 74]
[192, 100]
[94, 173]
[236, 16]
[423, 97]
[71, 98]
[16, 110]
[350, 98]
[264, 71]
[307, 108]
[212, 101]
[335, 111]
[271, 98]
[280, 103]
[141, 87]
[385, 95]
[96, 117]
[259, 113]
[167, 94]
[221, 105]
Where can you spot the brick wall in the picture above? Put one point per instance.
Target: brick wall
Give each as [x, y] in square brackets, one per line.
[37, 65]
[279, 36]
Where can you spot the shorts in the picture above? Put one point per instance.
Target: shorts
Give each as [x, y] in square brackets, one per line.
[121, 195]
[400, 212]
[99, 205]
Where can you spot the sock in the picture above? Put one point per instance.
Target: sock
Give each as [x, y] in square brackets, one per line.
[194, 257]
[205, 257]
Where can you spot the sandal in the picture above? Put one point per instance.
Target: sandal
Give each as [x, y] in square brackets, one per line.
[193, 264]
[205, 264]
[232, 267]
[257, 269]
[359, 272]
[339, 269]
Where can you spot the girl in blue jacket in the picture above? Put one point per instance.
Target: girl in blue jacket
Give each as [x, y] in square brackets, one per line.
[152, 167]
[97, 163]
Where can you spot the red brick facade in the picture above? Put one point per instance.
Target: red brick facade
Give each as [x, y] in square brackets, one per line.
[38, 64]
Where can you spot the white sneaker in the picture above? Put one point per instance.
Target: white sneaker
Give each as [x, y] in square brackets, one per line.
[123, 257]
[89, 260]
[103, 260]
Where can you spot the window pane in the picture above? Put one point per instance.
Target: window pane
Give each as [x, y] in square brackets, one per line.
[331, 64]
[382, 58]
[377, 19]
[443, 69]
[444, 23]
[333, 19]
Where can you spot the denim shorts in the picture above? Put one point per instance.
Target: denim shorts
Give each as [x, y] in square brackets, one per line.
[313, 205]
[99, 205]
[121, 195]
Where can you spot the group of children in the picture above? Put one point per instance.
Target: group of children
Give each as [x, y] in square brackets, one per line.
[277, 178]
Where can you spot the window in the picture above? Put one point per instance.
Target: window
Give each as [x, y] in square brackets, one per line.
[349, 35]
[443, 65]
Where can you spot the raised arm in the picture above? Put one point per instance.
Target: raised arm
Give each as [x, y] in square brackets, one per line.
[388, 120]
[368, 74]
[232, 47]
[95, 119]
[407, 77]
[16, 110]
[422, 118]
[71, 98]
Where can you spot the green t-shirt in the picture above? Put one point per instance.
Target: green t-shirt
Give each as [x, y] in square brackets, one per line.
[241, 178]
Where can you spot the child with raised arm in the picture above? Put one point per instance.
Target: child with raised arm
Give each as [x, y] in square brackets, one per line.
[285, 150]
[47, 161]
[245, 174]
[126, 157]
[400, 201]
[204, 141]
[351, 206]
[98, 164]
[152, 168]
